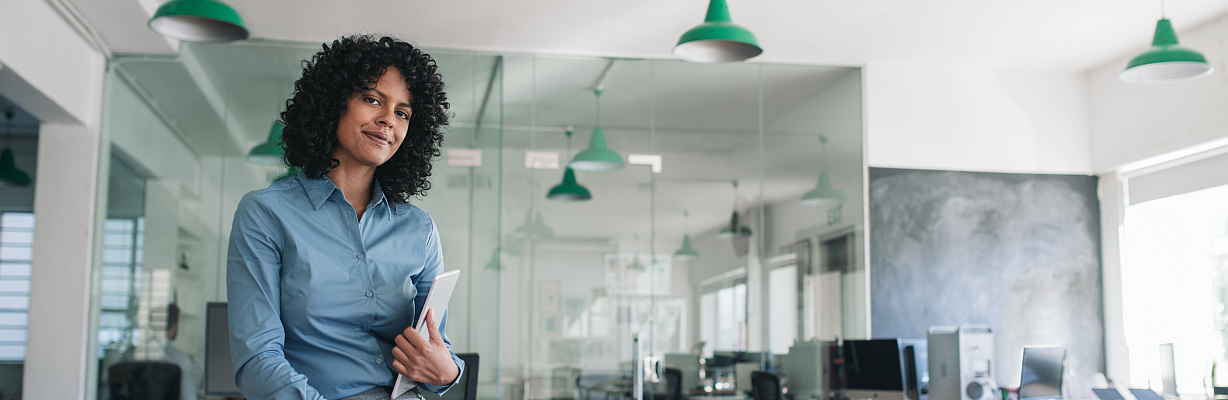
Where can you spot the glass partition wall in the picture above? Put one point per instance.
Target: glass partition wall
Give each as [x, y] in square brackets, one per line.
[558, 293]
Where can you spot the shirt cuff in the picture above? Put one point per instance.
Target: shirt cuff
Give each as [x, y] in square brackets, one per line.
[437, 389]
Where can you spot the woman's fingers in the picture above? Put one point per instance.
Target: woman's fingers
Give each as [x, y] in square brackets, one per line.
[433, 329]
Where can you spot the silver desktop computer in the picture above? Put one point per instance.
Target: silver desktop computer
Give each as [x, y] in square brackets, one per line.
[961, 362]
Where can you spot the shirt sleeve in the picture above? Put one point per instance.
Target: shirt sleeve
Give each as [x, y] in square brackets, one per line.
[253, 270]
[434, 266]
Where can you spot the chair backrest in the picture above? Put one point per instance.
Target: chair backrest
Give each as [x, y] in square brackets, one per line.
[766, 386]
[467, 387]
[673, 383]
[144, 380]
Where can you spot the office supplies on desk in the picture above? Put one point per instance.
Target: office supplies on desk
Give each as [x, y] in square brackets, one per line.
[1041, 376]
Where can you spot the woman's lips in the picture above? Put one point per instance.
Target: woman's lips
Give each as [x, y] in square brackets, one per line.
[378, 137]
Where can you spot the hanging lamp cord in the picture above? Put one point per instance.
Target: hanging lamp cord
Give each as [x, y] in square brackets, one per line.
[597, 93]
[8, 126]
[823, 152]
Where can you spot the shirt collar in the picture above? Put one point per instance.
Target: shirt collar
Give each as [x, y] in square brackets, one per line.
[319, 190]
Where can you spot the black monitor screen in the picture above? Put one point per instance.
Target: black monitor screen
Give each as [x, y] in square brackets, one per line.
[219, 371]
[873, 364]
[1042, 372]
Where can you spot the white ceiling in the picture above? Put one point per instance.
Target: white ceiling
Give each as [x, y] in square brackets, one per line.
[1026, 35]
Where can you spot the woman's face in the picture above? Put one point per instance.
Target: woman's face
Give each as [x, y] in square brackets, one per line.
[374, 123]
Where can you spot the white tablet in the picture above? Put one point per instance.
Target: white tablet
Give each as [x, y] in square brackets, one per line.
[437, 299]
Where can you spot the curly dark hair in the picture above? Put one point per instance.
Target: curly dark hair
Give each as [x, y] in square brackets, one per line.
[353, 65]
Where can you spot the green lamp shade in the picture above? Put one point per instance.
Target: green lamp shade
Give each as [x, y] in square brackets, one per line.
[597, 157]
[533, 228]
[1166, 61]
[198, 21]
[687, 252]
[637, 265]
[735, 230]
[823, 194]
[569, 190]
[10, 176]
[270, 152]
[717, 39]
[494, 264]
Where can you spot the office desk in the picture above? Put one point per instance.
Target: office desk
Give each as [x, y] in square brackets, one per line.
[717, 395]
[622, 389]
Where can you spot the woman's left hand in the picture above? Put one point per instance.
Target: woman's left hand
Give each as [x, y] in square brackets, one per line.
[424, 361]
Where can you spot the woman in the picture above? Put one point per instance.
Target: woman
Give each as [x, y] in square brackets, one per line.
[326, 270]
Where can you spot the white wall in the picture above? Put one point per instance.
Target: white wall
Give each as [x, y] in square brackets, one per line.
[976, 119]
[61, 86]
[63, 89]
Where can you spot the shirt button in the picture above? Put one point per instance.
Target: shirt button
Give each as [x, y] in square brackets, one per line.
[366, 328]
[379, 360]
[369, 293]
[359, 256]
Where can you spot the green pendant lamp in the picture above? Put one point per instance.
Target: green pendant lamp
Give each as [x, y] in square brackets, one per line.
[1166, 61]
[494, 264]
[823, 194]
[533, 228]
[687, 252]
[270, 152]
[735, 229]
[597, 157]
[636, 265]
[569, 189]
[717, 40]
[10, 176]
[198, 21]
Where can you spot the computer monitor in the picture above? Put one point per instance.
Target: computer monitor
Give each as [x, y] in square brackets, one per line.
[1041, 377]
[916, 368]
[219, 371]
[874, 369]
[1168, 371]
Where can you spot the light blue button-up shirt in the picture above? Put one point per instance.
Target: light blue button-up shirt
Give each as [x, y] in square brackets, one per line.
[317, 296]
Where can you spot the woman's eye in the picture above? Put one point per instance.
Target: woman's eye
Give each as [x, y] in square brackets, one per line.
[402, 114]
[371, 100]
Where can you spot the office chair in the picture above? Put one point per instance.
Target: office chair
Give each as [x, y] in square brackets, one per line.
[467, 387]
[563, 383]
[673, 383]
[144, 380]
[766, 386]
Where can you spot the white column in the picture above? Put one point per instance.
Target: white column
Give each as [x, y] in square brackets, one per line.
[1112, 215]
[64, 208]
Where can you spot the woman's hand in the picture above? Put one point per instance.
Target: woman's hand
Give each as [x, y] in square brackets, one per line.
[424, 361]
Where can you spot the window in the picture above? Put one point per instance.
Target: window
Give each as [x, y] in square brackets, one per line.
[723, 319]
[782, 308]
[122, 252]
[16, 247]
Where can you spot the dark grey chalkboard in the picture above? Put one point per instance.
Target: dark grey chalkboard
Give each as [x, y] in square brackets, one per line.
[1018, 251]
